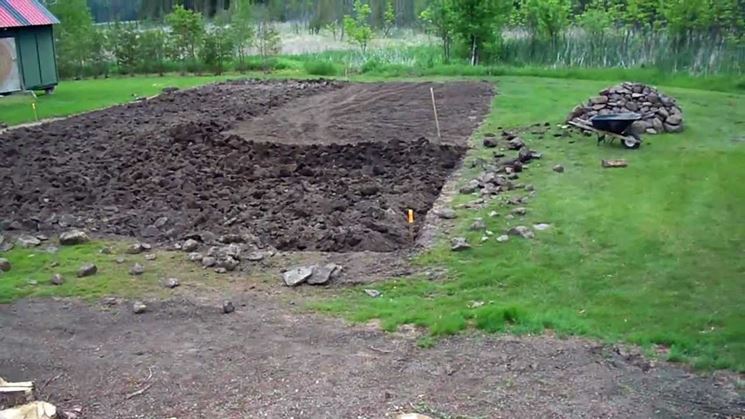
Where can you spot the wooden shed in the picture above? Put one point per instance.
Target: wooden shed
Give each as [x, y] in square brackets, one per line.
[27, 54]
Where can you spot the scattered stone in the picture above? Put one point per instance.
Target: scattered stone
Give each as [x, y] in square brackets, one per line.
[209, 261]
[458, 244]
[614, 163]
[255, 257]
[221, 270]
[190, 245]
[87, 270]
[137, 269]
[558, 168]
[324, 274]
[529, 188]
[516, 144]
[135, 249]
[297, 276]
[32, 282]
[228, 263]
[27, 241]
[446, 213]
[503, 238]
[478, 225]
[105, 251]
[54, 264]
[490, 142]
[151, 256]
[171, 283]
[541, 226]
[170, 89]
[484, 238]
[471, 187]
[373, 293]
[520, 211]
[228, 307]
[493, 214]
[42, 237]
[57, 279]
[195, 257]
[5, 265]
[521, 231]
[73, 237]
[160, 222]
[145, 246]
[138, 307]
[51, 249]
[110, 301]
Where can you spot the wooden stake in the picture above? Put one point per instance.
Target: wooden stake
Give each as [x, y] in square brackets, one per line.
[434, 107]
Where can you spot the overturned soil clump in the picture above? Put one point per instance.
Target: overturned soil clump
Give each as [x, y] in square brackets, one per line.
[190, 164]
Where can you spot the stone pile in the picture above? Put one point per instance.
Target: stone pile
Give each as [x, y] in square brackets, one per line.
[660, 113]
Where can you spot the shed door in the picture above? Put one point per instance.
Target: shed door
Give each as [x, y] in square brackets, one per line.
[10, 80]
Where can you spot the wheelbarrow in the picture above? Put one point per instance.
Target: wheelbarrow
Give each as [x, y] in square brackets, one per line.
[614, 126]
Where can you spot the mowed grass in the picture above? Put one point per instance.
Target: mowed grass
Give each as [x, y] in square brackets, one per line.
[73, 97]
[653, 254]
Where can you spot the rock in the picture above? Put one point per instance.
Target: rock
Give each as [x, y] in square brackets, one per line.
[657, 124]
[160, 222]
[255, 257]
[137, 269]
[221, 270]
[57, 279]
[458, 244]
[120, 260]
[195, 257]
[599, 100]
[516, 144]
[446, 213]
[471, 187]
[663, 113]
[674, 119]
[51, 249]
[151, 256]
[227, 307]
[521, 231]
[170, 89]
[503, 238]
[138, 307]
[5, 265]
[520, 211]
[171, 283]
[478, 225]
[490, 142]
[558, 168]
[134, 249]
[524, 155]
[373, 293]
[529, 188]
[613, 163]
[324, 274]
[673, 128]
[87, 270]
[105, 251]
[149, 231]
[484, 239]
[209, 261]
[297, 276]
[541, 226]
[229, 263]
[27, 241]
[190, 245]
[493, 214]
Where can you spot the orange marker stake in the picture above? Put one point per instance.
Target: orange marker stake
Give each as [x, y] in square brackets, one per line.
[411, 216]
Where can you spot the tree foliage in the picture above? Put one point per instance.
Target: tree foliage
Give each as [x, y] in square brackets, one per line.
[478, 22]
[74, 35]
[357, 27]
[187, 30]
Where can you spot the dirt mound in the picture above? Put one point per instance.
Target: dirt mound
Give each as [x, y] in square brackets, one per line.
[165, 169]
[660, 113]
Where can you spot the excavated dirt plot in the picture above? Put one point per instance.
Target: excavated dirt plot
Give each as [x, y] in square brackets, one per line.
[298, 165]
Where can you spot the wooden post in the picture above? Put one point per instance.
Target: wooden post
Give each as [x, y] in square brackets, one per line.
[434, 107]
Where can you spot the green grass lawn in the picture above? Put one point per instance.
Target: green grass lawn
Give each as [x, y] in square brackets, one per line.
[650, 254]
[73, 97]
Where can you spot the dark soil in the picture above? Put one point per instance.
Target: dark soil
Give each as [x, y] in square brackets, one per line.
[167, 168]
[191, 361]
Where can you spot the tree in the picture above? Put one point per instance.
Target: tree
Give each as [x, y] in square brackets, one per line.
[389, 18]
[125, 46]
[439, 18]
[153, 46]
[75, 35]
[546, 19]
[241, 28]
[478, 22]
[357, 27]
[268, 39]
[187, 29]
[217, 49]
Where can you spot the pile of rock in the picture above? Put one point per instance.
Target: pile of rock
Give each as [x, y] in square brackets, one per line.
[660, 113]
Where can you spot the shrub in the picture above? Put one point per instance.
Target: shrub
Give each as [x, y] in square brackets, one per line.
[320, 68]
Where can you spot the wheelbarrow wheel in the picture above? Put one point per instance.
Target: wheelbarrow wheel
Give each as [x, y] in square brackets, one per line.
[632, 141]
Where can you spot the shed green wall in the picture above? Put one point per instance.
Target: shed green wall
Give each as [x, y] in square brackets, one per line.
[37, 63]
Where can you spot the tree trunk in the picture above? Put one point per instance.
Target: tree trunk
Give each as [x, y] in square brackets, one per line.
[474, 58]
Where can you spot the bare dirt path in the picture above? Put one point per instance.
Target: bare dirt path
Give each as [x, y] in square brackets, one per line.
[265, 361]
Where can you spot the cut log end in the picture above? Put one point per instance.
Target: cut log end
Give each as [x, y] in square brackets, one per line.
[609, 164]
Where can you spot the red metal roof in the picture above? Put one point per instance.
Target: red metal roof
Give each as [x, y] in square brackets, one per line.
[18, 13]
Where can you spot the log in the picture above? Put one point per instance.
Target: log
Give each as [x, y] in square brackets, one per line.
[614, 163]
